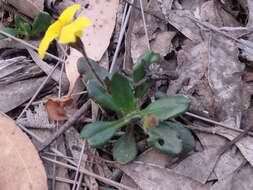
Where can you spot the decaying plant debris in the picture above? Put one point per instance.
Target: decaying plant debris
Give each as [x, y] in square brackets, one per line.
[206, 55]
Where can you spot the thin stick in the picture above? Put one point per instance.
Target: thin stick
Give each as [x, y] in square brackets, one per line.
[87, 172]
[216, 123]
[224, 148]
[66, 126]
[29, 45]
[69, 181]
[215, 29]
[121, 35]
[124, 15]
[38, 90]
[145, 25]
[79, 164]
[79, 182]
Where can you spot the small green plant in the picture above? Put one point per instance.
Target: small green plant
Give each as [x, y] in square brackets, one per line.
[39, 25]
[122, 97]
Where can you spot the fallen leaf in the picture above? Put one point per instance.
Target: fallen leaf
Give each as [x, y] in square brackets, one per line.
[55, 108]
[179, 19]
[28, 7]
[200, 165]
[245, 145]
[149, 173]
[158, 46]
[15, 94]
[214, 14]
[96, 38]
[71, 69]
[225, 79]
[20, 165]
[236, 180]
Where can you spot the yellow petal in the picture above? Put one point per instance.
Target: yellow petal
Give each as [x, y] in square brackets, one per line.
[69, 32]
[52, 32]
[68, 13]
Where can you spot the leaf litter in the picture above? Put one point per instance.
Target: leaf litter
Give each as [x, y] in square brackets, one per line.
[210, 73]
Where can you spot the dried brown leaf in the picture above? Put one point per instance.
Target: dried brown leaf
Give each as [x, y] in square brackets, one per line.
[55, 108]
[20, 165]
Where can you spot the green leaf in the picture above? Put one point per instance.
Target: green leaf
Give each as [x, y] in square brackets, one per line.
[98, 133]
[185, 135]
[11, 31]
[165, 139]
[41, 23]
[125, 149]
[122, 94]
[23, 25]
[165, 108]
[84, 70]
[142, 89]
[100, 96]
[139, 69]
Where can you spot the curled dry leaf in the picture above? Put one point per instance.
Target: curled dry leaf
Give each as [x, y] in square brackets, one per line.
[28, 7]
[20, 165]
[55, 108]
[71, 69]
[96, 38]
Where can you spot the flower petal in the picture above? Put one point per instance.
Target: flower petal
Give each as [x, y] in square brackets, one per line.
[52, 32]
[68, 33]
[68, 13]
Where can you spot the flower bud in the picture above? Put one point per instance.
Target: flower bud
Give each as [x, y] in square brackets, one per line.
[150, 121]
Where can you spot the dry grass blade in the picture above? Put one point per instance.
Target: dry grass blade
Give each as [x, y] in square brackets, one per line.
[108, 181]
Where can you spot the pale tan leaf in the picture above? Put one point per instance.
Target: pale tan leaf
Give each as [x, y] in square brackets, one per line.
[30, 8]
[71, 69]
[96, 38]
[20, 165]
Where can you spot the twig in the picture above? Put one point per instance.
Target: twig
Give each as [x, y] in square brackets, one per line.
[29, 45]
[144, 23]
[216, 123]
[66, 125]
[87, 172]
[215, 29]
[38, 90]
[65, 180]
[122, 31]
[241, 166]
[79, 164]
[235, 140]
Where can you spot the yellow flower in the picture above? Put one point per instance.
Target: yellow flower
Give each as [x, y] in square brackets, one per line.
[64, 29]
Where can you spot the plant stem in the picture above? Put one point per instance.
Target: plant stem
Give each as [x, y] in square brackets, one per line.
[80, 47]
[92, 69]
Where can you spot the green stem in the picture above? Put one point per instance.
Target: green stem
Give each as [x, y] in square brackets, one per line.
[78, 45]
